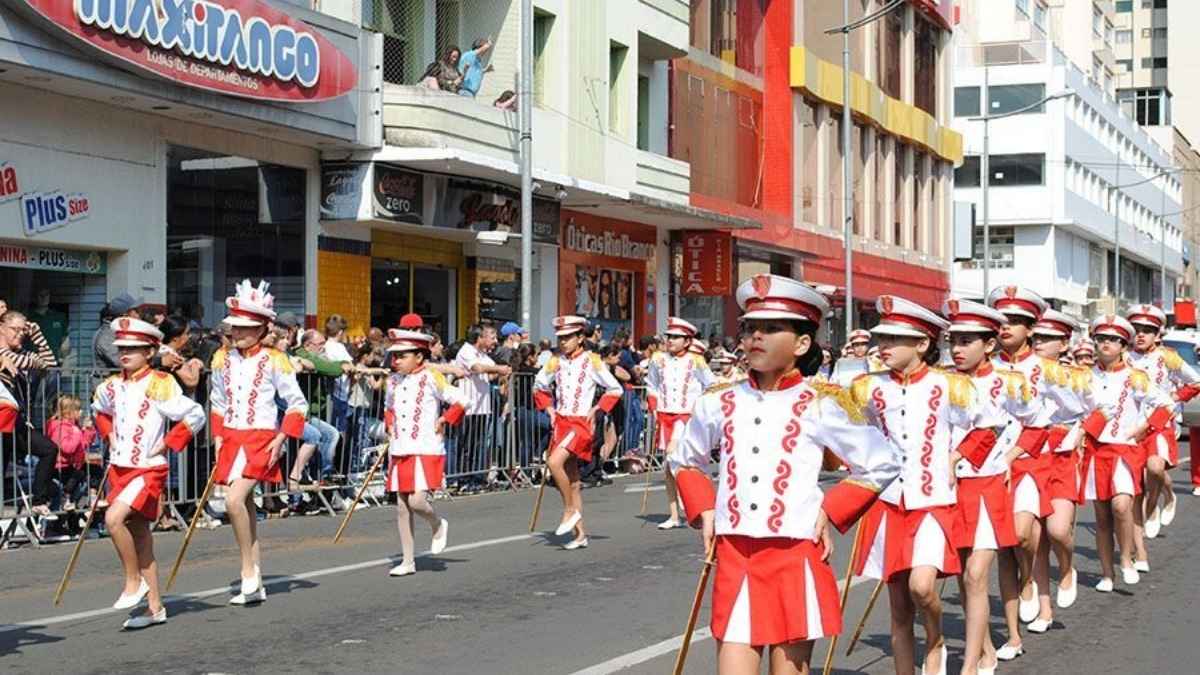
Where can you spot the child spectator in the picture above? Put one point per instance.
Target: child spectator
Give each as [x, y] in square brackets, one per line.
[73, 441]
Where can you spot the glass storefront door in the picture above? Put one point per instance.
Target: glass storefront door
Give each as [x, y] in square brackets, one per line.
[399, 287]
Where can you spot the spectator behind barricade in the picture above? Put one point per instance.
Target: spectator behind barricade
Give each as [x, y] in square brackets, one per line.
[512, 336]
[628, 358]
[335, 350]
[545, 352]
[291, 324]
[475, 434]
[316, 375]
[52, 322]
[196, 317]
[610, 425]
[532, 425]
[25, 355]
[367, 382]
[170, 358]
[646, 348]
[73, 435]
[472, 69]
[152, 314]
[376, 339]
[102, 344]
[506, 101]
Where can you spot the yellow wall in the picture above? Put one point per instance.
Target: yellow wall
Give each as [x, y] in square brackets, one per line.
[344, 288]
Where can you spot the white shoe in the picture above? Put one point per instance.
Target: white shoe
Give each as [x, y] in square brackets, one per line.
[668, 524]
[1009, 652]
[1029, 609]
[1196, 491]
[440, 537]
[1142, 566]
[568, 524]
[403, 569]
[1066, 598]
[146, 620]
[985, 671]
[942, 669]
[1105, 585]
[1153, 525]
[252, 599]
[1168, 511]
[131, 600]
[251, 585]
[575, 544]
[1039, 625]
[1129, 575]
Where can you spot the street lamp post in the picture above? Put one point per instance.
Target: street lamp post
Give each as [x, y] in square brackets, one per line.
[525, 108]
[984, 166]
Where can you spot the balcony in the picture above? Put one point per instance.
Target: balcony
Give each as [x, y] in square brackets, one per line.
[663, 178]
[417, 117]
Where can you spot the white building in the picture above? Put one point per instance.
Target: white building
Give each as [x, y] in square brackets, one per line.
[1056, 221]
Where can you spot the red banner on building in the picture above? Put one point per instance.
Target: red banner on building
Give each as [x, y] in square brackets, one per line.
[707, 263]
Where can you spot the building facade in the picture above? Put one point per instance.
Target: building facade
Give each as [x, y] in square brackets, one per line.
[1075, 184]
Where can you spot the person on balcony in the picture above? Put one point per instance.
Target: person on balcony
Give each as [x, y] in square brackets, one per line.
[472, 68]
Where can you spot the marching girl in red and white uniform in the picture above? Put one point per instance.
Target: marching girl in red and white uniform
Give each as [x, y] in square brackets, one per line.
[767, 518]
[984, 502]
[573, 375]
[1169, 372]
[414, 395]
[912, 536]
[1128, 408]
[133, 412]
[1084, 353]
[1057, 399]
[675, 379]
[245, 383]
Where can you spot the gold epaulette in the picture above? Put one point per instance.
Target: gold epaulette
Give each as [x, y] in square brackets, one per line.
[860, 388]
[1017, 385]
[962, 389]
[1171, 359]
[551, 365]
[1139, 379]
[845, 399]
[218, 359]
[1055, 373]
[162, 387]
[280, 361]
[1081, 378]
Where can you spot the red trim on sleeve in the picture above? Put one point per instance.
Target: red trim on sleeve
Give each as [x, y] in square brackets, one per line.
[1159, 419]
[8, 419]
[846, 502]
[389, 419]
[1186, 393]
[977, 445]
[293, 425]
[104, 424]
[1094, 424]
[542, 400]
[609, 401]
[179, 437]
[454, 414]
[1056, 437]
[1032, 440]
[697, 492]
[652, 403]
[216, 424]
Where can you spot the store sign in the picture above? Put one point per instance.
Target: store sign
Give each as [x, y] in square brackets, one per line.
[41, 210]
[707, 263]
[483, 208]
[10, 187]
[239, 47]
[398, 194]
[606, 242]
[341, 189]
[55, 259]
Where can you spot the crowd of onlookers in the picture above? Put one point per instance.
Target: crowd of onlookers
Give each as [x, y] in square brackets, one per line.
[462, 74]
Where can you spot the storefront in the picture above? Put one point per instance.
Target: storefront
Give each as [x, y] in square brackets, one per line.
[607, 272]
[170, 177]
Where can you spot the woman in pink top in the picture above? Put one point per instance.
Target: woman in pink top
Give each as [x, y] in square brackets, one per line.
[73, 440]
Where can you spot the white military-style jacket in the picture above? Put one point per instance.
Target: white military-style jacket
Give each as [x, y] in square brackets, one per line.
[1011, 397]
[675, 383]
[919, 413]
[412, 407]
[1125, 402]
[137, 410]
[771, 450]
[1167, 370]
[574, 382]
[1059, 395]
[244, 387]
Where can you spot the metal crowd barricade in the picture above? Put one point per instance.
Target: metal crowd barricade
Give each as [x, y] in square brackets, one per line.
[500, 449]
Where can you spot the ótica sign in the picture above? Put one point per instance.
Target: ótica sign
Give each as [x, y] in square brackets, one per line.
[240, 47]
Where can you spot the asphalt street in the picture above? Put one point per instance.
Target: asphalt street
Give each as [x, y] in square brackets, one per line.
[502, 600]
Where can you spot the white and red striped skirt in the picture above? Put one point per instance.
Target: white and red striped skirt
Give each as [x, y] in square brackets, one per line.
[139, 489]
[416, 473]
[1030, 485]
[1164, 444]
[669, 425]
[773, 591]
[244, 454]
[896, 539]
[987, 513]
[1063, 481]
[1110, 470]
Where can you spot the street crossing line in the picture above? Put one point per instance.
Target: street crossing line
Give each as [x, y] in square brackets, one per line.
[667, 646]
[278, 581]
[641, 488]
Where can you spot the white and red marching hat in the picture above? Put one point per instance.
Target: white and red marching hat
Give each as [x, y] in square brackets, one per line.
[677, 326]
[698, 347]
[967, 316]
[408, 340]
[1112, 324]
[906, 318]
[767, 296]
[859, 336]
[722, 356]
[569, 324]
[1017, 301]
[1055, 324]
[135, 333]
[1084, 346]
[1147, 315]
[250, 306]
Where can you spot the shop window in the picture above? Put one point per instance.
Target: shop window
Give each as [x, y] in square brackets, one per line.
[1001, 248]
[1016, 170]
[966, 101]
[1005, 98]
[64, 304]
[967, 174]
[231, 218]
[924, 76]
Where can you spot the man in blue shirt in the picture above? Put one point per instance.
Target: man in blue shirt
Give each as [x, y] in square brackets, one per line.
[472, 68]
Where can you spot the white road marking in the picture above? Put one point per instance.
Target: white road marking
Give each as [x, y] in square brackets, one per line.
[667, 646]
[279, 581]
[642, 488]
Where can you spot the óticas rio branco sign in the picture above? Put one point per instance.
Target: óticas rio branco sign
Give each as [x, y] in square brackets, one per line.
[239, 47]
